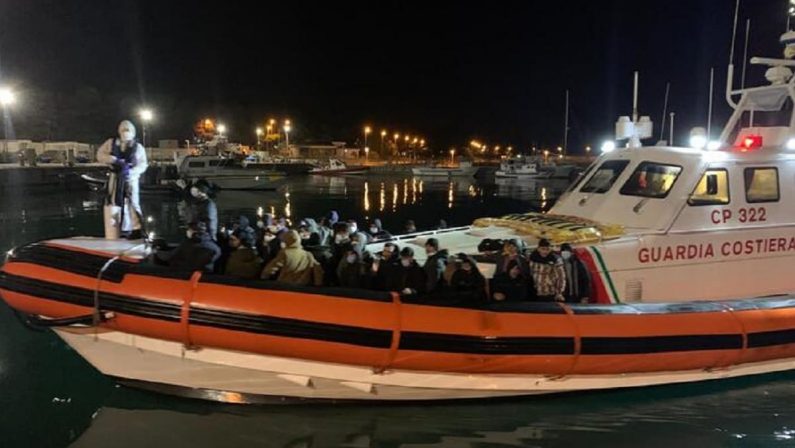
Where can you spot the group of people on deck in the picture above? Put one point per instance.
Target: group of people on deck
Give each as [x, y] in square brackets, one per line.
[332, 252]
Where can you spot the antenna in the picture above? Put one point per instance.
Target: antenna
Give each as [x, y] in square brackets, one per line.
[665, 108]
[635, 100]
[566, 125]
[671, 135]
[745, 51]
[709, 114]
[730, 68]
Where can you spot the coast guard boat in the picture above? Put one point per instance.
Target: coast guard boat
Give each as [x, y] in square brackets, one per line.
[690, 251]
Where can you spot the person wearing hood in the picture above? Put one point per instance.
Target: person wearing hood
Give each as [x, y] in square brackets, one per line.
[127, 160]
[293, 264]
[377, 232]
[384, 265]
[351, 272]
[467, 278]
[511, 285]
[310, 233]
[324, 229]
[548, 274]
[197, 253]
[243, 261]
[410, 227]
[578, 280]
[434, 265]
[332, 217]
[353, 228]
[203, 208]
[511, 251]
[242, 222]
[407, 277]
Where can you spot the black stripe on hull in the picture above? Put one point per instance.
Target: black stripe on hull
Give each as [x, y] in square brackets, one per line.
[368, 337]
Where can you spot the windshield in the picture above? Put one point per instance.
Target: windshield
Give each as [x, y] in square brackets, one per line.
[651, 180]
[605, 176]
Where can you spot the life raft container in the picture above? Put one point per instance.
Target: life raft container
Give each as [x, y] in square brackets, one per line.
[556, 228]
[386, 331]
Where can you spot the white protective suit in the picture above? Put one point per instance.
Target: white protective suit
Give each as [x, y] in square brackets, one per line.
[123, 217]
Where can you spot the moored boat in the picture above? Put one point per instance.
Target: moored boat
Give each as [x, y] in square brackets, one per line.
[227, 173]
[333, 167]
[463, 169]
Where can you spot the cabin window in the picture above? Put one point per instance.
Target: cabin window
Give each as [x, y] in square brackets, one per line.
[215, 162]
[196, 164]
[712, 189]
[580, 177]
[761, 184]
[651, 180]
[605, 176]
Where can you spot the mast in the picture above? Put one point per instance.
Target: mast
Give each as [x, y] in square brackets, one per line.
[665, 108]
[745, 52]
[709, 113]
[566, 126]
[730, 68]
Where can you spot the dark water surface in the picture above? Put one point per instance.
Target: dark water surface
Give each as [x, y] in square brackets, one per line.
[49, 396]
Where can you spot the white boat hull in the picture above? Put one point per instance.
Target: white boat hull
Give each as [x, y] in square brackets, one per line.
[237, 377]
[452, 172]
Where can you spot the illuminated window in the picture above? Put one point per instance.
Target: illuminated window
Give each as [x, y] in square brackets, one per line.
[761, 184]
[712, 189]
[605, 176]
[651, 180]
[196, 164]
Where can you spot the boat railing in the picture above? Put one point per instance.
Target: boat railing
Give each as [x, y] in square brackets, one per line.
[425, 233]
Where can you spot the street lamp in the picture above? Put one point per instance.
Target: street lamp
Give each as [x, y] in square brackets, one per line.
[588, 150]
[367, 131]
[146, 116]
[452, 156]
[7, 97]
[395, 140]
[221, 129]
[366, 154]
[381, 149]
[287, 128]
[259, 135]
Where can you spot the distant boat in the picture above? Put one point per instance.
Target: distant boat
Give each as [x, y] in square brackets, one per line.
[336, 166]
[289, 167]
[464, 169]
[227, 174]
[519, 167]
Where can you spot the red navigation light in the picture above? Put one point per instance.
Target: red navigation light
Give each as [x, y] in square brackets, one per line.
[751, 142]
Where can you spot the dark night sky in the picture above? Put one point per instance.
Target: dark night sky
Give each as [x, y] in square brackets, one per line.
[495, 71]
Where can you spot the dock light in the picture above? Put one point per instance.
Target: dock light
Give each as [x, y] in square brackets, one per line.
[608, 146]
[146, 115]
[698, 138]
[7, 97]
[713, 145]
[258, 131]
[791, 144]
[221, 129]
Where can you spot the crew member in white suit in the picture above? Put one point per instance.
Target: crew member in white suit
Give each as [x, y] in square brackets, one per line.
[127, 160]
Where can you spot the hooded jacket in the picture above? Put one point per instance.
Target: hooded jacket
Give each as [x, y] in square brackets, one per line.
[380, 234]
[198, 253]
[295, 265]
[548, 274]
[243, 262]
[434, 268]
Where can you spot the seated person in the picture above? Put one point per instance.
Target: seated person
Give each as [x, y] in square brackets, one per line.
[467, 278]
[294, 265]
[511, 286]
[511, 251]
[243, 261]
[434, 265]
[351, 272]
[197, 253]
[377, 232]
[407, 277]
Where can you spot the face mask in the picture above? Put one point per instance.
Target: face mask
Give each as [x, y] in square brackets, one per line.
[195, 192]
[126, 136]
[260, 224]
[305, 236]
[283, 244]
[350, 259]
[373, 229]
[406, 262]
[565, 254]
[189, 233]
[353, 228]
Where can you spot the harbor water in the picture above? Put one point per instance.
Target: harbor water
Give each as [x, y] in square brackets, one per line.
[49, 396]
